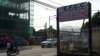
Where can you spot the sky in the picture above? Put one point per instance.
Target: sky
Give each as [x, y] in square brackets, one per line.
[42, 14]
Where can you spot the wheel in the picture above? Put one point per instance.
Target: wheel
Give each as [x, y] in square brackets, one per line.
[8, 54]
[42, 46]
[17, 52]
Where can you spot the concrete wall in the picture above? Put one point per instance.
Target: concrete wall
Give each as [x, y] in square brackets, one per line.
[96, 40]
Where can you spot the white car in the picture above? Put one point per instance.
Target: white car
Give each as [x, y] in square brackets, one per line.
[49, 42]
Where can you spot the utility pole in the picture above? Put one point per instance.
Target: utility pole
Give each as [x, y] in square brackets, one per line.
[49, 28]
[45, 27]
[49, 21]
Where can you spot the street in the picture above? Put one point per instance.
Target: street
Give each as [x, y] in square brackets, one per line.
[35, 51]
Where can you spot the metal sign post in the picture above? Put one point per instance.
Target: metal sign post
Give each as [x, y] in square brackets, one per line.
[58, 42]
[90, 31]
[74, 12]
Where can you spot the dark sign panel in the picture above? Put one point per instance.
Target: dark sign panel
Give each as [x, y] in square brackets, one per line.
[73, 12]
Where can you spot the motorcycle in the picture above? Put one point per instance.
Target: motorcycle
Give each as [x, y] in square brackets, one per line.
[13, 52]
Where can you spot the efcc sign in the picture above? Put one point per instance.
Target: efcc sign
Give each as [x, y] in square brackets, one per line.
[73, 12]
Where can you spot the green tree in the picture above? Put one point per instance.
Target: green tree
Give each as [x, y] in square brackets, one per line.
[95, 21]
[34, 31]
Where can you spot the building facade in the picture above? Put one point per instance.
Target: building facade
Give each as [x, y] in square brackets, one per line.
[15, 17]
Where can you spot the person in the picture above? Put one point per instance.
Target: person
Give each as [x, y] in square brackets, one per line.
[11, 46]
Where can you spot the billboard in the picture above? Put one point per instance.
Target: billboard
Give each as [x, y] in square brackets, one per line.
[73, 12]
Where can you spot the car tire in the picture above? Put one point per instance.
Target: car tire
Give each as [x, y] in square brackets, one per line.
[42, 46]
[8, 53]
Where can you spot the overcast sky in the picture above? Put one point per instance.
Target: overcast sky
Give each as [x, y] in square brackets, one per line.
[43, 13]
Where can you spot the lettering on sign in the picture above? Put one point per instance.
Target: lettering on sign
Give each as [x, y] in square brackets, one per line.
[73, 12]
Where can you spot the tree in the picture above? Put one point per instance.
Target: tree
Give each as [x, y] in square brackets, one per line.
[34, 31]
[95, 21]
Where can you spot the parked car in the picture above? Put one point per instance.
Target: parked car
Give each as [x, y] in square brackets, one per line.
[19, 41]
[4, 39]
[49, 42]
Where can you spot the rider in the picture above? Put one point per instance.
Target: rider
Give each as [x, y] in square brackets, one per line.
[11, 46]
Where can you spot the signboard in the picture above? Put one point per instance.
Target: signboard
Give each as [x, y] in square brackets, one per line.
[73, 12]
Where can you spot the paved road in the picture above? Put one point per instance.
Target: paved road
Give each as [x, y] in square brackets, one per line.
[35, 51]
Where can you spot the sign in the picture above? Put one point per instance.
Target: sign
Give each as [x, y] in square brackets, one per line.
[73, 12]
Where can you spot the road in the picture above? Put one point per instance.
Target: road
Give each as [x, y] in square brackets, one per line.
[35, 51]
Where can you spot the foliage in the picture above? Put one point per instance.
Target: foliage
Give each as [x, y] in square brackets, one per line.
[85, 25]
[34, 31]
[95, 21]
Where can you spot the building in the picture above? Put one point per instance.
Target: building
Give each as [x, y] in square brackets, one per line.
[15, 17]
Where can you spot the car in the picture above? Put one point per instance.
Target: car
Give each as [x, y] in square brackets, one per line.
[49, 42]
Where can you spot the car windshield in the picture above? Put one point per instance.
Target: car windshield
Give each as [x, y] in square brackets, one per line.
[51, 39]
